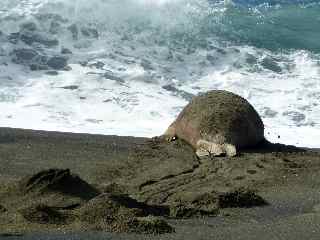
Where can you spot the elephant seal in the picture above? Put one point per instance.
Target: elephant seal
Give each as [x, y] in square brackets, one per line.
[217, 123]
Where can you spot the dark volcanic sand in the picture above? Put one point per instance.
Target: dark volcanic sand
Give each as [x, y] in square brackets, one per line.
[162, 179]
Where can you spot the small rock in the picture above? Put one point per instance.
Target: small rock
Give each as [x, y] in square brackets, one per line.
[13, 38]
[23, 55]
[52, 73]
[57, 62]
[38, 67]
[30, 38]
[66, 51]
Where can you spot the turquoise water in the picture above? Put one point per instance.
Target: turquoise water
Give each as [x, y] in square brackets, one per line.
[274, 27]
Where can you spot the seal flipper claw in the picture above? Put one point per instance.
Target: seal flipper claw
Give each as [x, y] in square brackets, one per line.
[202, 153]
[229, 149]
[205, 148]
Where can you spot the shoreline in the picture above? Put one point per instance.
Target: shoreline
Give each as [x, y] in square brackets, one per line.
[147, 166]
[69, 133]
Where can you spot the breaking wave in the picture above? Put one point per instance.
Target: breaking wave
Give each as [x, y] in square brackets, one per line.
[128, 67]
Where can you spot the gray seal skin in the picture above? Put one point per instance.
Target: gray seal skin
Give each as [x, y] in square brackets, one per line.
[217, 123]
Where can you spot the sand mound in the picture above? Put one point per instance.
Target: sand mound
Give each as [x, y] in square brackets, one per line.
[151, 225]
[120, 213]
[241, 198]
[57, 180]
[209, 204]
[190, 204]
[44, 214]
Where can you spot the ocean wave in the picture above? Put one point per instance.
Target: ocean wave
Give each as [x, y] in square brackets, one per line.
[181, 23]
[108, 66]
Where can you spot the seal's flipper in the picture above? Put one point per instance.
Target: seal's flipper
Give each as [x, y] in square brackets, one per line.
[229, 149]
[202, 153]
[205, 148]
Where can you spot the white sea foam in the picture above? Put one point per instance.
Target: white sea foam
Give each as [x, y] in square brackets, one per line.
[146, 77]
[96, 106]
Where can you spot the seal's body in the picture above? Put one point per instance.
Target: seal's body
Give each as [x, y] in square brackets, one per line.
[218, 122]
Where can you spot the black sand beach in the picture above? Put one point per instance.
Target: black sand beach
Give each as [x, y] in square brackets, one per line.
[269, 192]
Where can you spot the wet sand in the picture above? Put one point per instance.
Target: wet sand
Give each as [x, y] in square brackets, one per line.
[159, 173]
